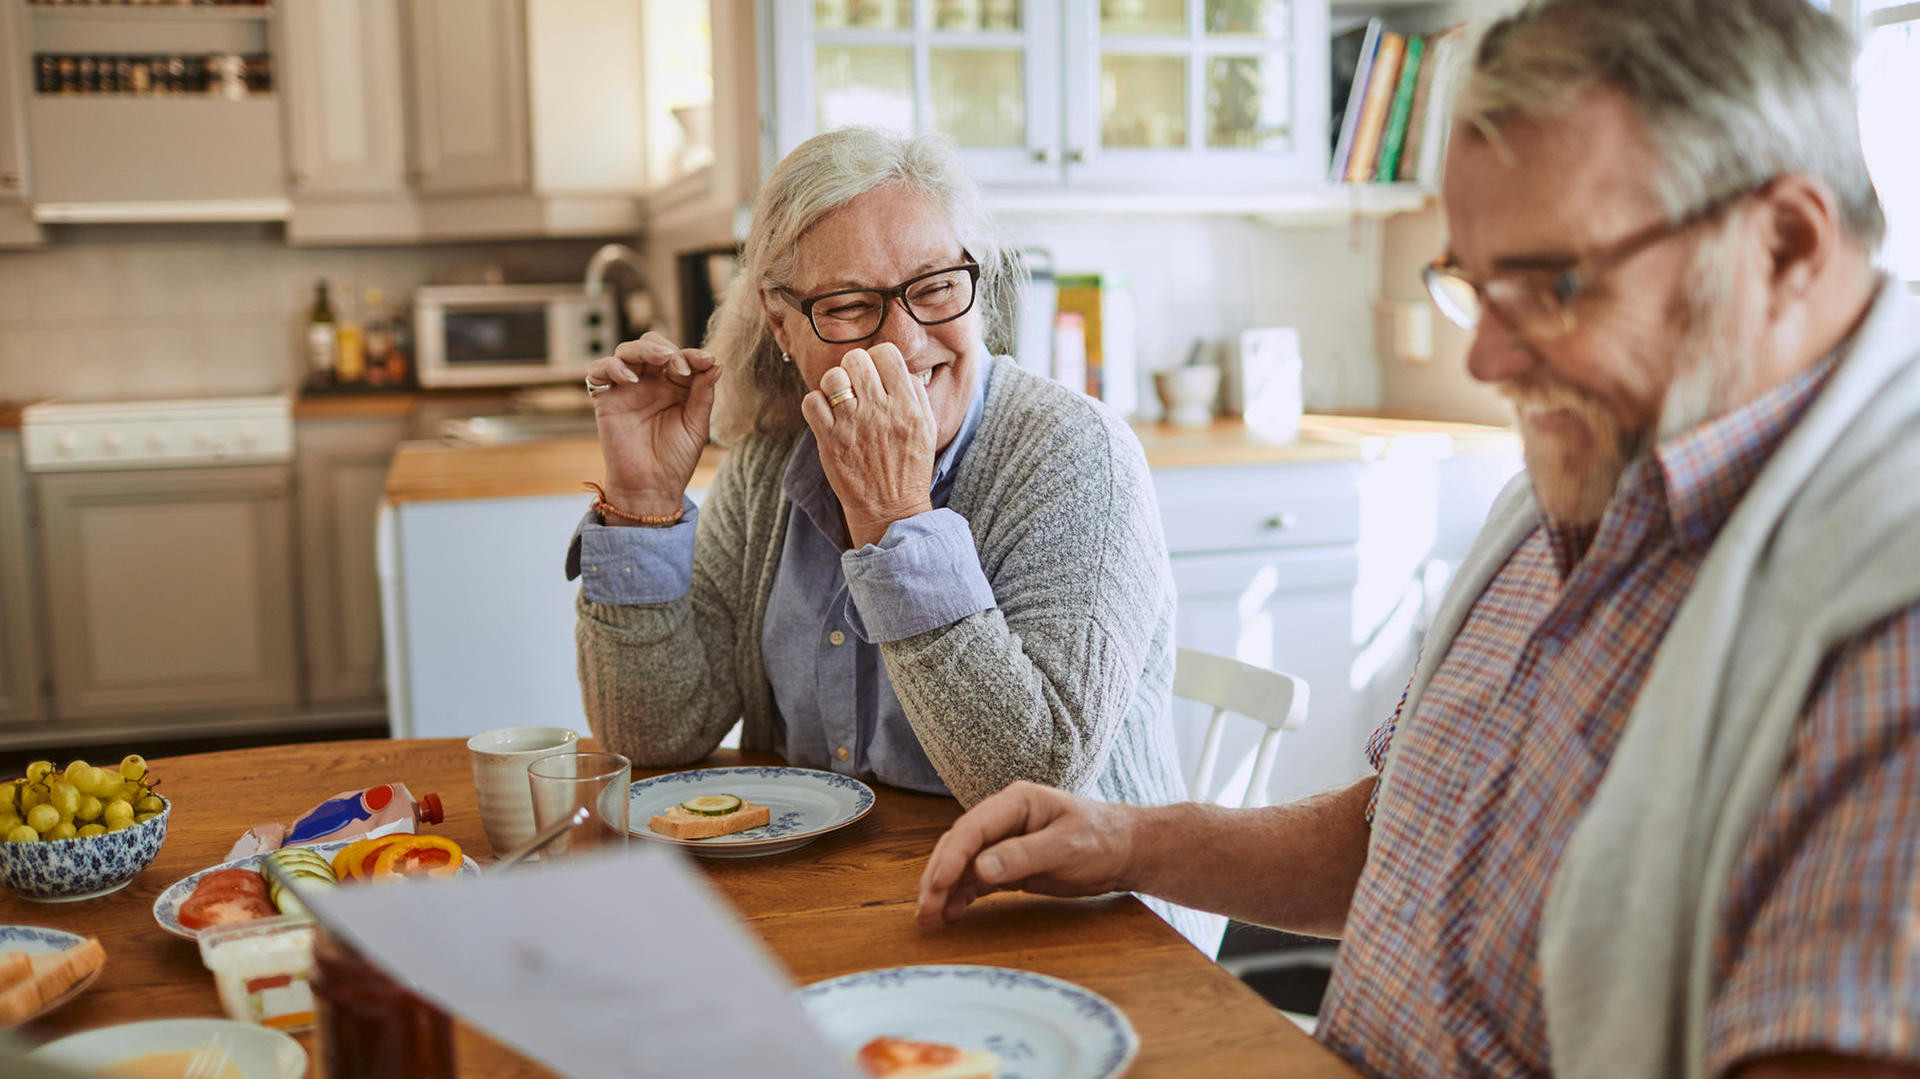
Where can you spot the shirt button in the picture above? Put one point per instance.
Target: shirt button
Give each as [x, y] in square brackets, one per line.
[842, 752]
[838, 637]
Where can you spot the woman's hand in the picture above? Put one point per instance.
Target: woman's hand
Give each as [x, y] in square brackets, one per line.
[876, 447]
[653, 423]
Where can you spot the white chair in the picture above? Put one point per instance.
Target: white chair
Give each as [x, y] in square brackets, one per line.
[1279, 701]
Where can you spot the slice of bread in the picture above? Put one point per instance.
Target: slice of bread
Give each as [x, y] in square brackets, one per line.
[680, 824]
[15, 967]
[53, 974]
[888, 1057]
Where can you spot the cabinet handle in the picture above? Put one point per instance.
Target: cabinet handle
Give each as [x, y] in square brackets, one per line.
[300, 177]
[10, 179]
[1047, 156]
[1077, 157]
[1281, 522]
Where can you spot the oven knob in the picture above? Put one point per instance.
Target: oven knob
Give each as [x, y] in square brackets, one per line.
[156, 443]
[113, 442]
[65, 445]
[245, 440]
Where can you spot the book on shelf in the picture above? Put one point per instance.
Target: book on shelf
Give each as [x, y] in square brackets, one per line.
[1352, 63]
[1446, 61]
[1407, 170]
[1373, 113]
[1395, 137]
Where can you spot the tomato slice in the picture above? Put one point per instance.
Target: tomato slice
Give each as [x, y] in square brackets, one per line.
[233, 880]
[218, 908]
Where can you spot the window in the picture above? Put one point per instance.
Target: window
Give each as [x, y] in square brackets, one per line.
[1888, 80]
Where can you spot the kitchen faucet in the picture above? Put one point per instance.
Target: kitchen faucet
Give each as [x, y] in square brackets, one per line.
[637, 312]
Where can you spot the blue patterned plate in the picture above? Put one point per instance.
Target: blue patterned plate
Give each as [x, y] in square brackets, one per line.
[1039, 1027]
[36, 941]
[806, 804]
[166, 909]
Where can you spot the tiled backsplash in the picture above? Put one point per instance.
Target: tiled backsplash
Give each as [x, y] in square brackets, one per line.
[107, 313]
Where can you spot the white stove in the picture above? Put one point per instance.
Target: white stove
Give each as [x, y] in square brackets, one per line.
[96, 436]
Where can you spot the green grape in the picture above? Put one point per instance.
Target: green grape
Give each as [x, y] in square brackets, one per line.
[38, 771]
[119, 810]
[64, 797]
[142, 818]
[63, 830]
[149, 803]
[95, 780]
[120, 827]
[75, 768]
[23, 833]
[88, 831]
[35, 794]
[10, 796]
[133, 766]
[8, 822]
[90, 808]
[43, 818]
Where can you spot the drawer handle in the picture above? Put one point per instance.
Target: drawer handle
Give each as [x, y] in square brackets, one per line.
[1282, 522]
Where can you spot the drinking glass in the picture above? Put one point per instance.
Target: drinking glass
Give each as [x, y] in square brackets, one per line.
[566, 781]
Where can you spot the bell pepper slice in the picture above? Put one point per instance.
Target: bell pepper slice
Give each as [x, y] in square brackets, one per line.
[355, 860]
[418, 855]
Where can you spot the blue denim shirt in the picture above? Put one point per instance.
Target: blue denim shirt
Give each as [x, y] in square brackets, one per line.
[830, 609]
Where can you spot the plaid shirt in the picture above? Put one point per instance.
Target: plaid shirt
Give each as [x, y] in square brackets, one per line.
[1819, 938]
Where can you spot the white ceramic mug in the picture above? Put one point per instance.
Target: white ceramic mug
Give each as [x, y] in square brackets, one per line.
[500, 759]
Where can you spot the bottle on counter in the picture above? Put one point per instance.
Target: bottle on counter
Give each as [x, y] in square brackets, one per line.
[350, 345]
[400, 356]
[322, 335]
[379, 338]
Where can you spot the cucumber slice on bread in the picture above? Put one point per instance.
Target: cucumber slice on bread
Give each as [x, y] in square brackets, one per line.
[713, 805]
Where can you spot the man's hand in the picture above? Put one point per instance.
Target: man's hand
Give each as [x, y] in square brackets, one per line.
[1029, 838]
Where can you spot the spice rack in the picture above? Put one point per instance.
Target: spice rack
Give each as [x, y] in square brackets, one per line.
[211, 145]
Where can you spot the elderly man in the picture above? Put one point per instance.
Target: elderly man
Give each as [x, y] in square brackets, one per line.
[1651, 804]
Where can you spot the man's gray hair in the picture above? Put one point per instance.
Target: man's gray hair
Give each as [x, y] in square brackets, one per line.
[759, 393]
[1732, 92]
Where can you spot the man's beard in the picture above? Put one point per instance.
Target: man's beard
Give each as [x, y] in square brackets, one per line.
[1574, 484]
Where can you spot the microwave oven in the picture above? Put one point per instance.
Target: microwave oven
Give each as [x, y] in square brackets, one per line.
[504, 335]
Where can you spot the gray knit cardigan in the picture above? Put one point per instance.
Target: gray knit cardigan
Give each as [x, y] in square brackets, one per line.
[1065, 682]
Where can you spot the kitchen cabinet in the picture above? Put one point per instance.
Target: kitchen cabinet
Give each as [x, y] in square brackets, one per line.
[1069, 99]
[340, 470]
[170, 596]
[21, 696]
[340, 72]
[467, 90]
[13, 99]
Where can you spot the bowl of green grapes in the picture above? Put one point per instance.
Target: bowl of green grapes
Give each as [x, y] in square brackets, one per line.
[80, 832]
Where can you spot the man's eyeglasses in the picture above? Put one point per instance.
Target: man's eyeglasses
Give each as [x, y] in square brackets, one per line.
[855, 314]
[1538, 303]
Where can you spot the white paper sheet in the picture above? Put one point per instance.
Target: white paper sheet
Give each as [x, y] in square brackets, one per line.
[624, 965]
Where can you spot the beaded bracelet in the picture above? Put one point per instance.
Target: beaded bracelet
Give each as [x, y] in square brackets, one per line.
[603, 508]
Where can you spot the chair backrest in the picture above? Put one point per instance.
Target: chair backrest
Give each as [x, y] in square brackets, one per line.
[1279, 701]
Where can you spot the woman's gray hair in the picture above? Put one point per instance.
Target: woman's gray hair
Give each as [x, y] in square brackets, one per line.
[1732, 92]
[759, 393]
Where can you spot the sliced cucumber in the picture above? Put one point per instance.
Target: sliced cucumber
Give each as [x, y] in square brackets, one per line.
[712, 805]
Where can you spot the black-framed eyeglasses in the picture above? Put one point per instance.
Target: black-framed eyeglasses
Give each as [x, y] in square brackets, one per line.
[855, 314]
[1538, 302]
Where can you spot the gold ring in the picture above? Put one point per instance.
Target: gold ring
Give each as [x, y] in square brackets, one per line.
[840, 395]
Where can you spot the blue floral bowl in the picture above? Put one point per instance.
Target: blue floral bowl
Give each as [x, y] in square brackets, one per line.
[63, 870]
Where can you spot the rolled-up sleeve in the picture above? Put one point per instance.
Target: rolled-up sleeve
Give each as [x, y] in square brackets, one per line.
[923, 574]
[625, 566]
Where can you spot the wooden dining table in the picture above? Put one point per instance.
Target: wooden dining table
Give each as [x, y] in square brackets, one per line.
[841, 904]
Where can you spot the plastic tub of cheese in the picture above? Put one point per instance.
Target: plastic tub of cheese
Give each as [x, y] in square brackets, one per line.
[262, 969]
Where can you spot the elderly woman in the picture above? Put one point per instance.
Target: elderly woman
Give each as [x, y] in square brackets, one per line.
[918, 563]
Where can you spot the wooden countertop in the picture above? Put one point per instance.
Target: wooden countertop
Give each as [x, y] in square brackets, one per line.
[841, 904]
[438, 472]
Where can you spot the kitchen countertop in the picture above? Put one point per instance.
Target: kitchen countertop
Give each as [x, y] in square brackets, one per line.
[436, 471]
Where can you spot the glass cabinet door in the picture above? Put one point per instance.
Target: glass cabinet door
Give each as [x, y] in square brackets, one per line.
[1156, 84]
[985, 72]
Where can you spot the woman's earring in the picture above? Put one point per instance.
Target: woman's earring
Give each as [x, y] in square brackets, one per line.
[784, 358]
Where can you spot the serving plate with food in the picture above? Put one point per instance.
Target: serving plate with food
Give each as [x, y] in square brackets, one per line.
[238, 890]
[42, 969]
[744, 812]
[971, 1022]
[220, 1047]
